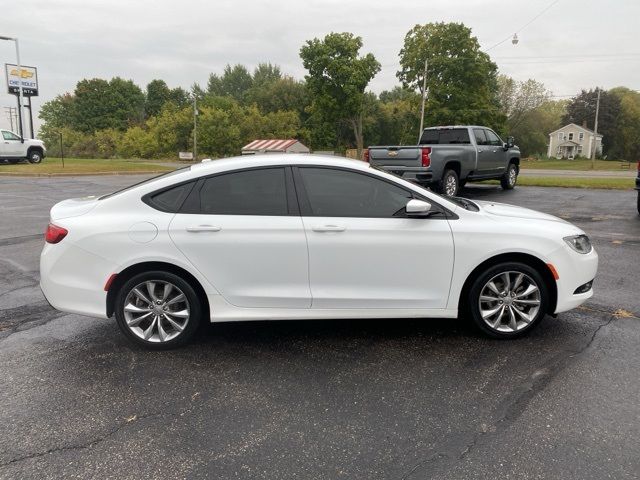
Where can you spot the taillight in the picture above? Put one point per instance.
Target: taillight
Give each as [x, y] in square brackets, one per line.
[365, 155]
[426, 156]
[54, 233]
[638, 166]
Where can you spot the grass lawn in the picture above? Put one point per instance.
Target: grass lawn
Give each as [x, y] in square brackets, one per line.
[574, 182]
[82, 166]
[579, 164]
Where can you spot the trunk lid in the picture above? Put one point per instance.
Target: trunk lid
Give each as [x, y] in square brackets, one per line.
[74, 207]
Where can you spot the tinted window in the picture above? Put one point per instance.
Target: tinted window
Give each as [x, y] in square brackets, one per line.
[480, 137]
[340, 193]
[447, 136]
[171, 200]
[492, 138]
[250, 192]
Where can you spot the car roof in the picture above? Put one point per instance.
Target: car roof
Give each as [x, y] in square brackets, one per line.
[274, 159]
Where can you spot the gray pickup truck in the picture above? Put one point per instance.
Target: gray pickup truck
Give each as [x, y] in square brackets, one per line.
[447, 157]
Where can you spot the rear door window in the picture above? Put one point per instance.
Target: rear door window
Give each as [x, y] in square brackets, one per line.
[248, 192]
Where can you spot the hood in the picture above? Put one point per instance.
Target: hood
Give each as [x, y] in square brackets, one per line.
[506, 210]
[74, 207]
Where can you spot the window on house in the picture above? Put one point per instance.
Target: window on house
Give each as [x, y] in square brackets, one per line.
[581, 136]
[570, 135]
[579, 150]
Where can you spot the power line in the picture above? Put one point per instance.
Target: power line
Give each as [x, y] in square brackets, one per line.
[524, 26]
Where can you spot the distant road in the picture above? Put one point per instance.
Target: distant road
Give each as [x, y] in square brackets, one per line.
[579, 173]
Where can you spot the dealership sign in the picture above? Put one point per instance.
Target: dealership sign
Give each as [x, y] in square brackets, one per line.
[28, 76]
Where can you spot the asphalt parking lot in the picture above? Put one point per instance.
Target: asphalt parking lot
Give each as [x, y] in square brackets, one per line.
[395, 399]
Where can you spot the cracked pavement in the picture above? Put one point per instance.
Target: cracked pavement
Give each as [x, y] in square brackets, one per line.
[395, 399]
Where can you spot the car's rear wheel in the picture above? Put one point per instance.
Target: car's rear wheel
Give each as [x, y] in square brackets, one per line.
[510, 177]
[508, 300]
[158, 310]
[35, 156]
[450, 184]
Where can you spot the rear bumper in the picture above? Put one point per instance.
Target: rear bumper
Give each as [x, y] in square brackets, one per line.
[421, 175]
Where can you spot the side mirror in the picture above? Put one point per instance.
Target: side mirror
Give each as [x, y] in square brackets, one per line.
[418, 208]
[510, 143]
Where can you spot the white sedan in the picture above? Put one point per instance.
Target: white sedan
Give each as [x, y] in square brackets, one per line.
[305, 237]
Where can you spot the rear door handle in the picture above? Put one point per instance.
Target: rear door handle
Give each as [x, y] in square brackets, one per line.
[203, 228]
[329, 228]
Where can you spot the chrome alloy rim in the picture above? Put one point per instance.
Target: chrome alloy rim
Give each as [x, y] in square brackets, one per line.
[509, 301]
[156, 311]
[451, 185]
[512, 176]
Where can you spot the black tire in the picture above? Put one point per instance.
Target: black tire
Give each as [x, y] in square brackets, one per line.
[502, 328]
[35, 156]
[450, 184]
[510, 178]
[192, 305]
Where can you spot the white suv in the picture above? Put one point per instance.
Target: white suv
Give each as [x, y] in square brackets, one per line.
[13, 149]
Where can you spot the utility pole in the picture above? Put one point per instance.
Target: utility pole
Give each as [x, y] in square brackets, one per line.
[10, 115]
[195, 128]
[424, 98]
[595, 133]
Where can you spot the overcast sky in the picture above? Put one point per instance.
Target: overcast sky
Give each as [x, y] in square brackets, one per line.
[575, 44]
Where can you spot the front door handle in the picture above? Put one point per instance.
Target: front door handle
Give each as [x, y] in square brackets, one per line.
[203, 228]
[329, 228]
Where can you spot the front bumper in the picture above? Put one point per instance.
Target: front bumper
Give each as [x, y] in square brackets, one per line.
[574, 270]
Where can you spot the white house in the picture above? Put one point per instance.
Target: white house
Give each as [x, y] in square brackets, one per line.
[573, 140]
[274, 146]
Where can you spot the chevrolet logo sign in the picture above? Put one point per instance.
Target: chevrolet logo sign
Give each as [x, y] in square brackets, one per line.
[393, 153]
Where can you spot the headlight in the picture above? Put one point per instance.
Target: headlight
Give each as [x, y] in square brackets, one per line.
[580, 243]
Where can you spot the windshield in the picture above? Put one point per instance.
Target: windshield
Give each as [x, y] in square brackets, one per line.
[144, 182]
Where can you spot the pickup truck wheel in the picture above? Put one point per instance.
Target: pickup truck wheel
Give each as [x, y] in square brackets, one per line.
[510, 177]
[450, 184]
[35, 156]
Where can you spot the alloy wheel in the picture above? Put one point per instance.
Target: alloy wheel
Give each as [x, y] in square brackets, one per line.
[509, 301]
[451, 186]
[156, 311]
[513, 175]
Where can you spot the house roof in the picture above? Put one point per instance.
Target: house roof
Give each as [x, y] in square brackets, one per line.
[273, 145]
[577, 126]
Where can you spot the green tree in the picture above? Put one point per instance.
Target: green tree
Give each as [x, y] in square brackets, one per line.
[234, 82]
[461, 79]
[158, 94]
[266, 73]
[628, 144]
[582, 110]
[519, 98]
[57, 113]
[100, 104]
[337, 78]
[531, 132]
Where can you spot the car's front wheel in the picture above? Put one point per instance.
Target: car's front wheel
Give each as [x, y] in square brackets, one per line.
[507, 300]
[510, 177]
[35, 156]
[158, 310]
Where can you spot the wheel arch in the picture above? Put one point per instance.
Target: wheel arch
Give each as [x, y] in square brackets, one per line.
[516, 161]
[453, 164]
[137, 268]
[35, 147]
[528, 259]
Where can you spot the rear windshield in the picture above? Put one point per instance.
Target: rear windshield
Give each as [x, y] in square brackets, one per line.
[445, 136]
[148, 180]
